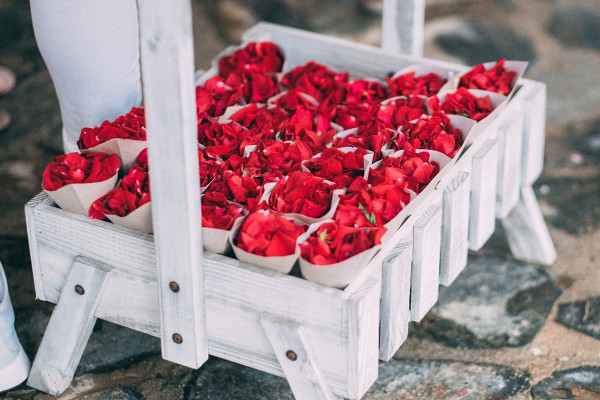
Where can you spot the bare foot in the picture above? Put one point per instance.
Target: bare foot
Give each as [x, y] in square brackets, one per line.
[5, 120]
[8, 80]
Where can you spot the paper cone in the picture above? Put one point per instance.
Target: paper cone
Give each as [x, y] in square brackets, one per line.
[217, 240]
[425, 69]
[126, 149]
[511, 65]
[140, 219]
[78, 197]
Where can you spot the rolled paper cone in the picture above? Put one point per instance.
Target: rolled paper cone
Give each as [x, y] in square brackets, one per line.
[217, 240]
[368, 158]
[518, 67]
[140, 219]
[78, 197]
[126, 149]
[283, 264]
[272, 100]
[335, 200]
[337, 275]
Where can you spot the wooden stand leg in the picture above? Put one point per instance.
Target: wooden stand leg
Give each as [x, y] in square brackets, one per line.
[297, 360]
[69, 328]
[526, 231]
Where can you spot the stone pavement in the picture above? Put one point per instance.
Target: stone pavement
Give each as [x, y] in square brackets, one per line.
[502, 329]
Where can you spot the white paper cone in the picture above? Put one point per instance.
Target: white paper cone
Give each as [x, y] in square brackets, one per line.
[217, 240]
[497, 100]
[335, 200]
[140, 219]
[78, 197]
[510, 65]
[425, 69]
[126, 149]
[337, 275]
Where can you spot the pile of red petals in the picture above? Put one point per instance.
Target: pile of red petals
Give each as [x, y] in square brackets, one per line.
[218, 213]
[267, 234]
[496, 79]
[410, 84]
[464, 103]
[129, 126]
[132, 192]
[332, 243]
[72, 168]
[410, 171]
[338, 166]
[372, 206]
[430, 132]
[302, 193]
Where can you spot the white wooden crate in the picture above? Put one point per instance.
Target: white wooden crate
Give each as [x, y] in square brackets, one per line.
[254, 316]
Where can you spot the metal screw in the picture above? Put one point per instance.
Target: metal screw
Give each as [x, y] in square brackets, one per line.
[291, 355]
[174, 286]
[79, 290]
[177, 338]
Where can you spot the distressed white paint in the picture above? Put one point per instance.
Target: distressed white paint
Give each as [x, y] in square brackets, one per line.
[167, 58]
[426, 262]
[69, 328]
[395, 299]
[298, 359]
[510, 144]
[482, 218]
[403, 26]
[455, 228]
[534, 108]
[526, 231]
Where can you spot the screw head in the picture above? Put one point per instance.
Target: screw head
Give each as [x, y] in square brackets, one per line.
[79, 290]
[291, 355]
[174, 286]
[177, 338]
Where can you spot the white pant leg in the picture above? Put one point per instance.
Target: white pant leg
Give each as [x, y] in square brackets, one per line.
[91, 48]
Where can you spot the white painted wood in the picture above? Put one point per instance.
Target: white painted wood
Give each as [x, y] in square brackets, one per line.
[167, 59]
[33, 245]
[342, 325]
[482, 219]
[69, 328]
[298, 359]
[510, 144]
[395, 299]
[403, 26]
[426, 262]
[455, 228]
[534, 107]
[527, 233]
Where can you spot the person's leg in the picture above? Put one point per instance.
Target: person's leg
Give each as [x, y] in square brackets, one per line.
[91, 48]
[14, 364]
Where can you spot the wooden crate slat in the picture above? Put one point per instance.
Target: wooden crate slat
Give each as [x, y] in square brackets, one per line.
[510, 144]
[534, 108]
[395, 299]
[455, 227]
[426, 261]
[403, 26]
[482, 219]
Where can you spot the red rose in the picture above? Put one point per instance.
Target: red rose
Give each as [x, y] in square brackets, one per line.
[79, 168]
[132, 192]
[364, 92]
[129, 126]
[368, 138]
[302, 193]
[225, 140]
[462, 102]
[266, 57]
[268, 120]
[314, 129]
[266, 234]
[291, 100]
[409, 83]
[496, 79]
[218, 213]
[256, 86]
[209, 168]
[332, 243]
[241, 189]
[353, 116]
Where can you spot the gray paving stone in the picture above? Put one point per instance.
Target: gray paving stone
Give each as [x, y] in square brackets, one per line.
[437, 379]
[583, 316]
[494, 303]
[576, 25]
[577, 383]
[480, 41]
[576, 201]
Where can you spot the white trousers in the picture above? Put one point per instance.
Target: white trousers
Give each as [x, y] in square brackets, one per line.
[91, 48]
